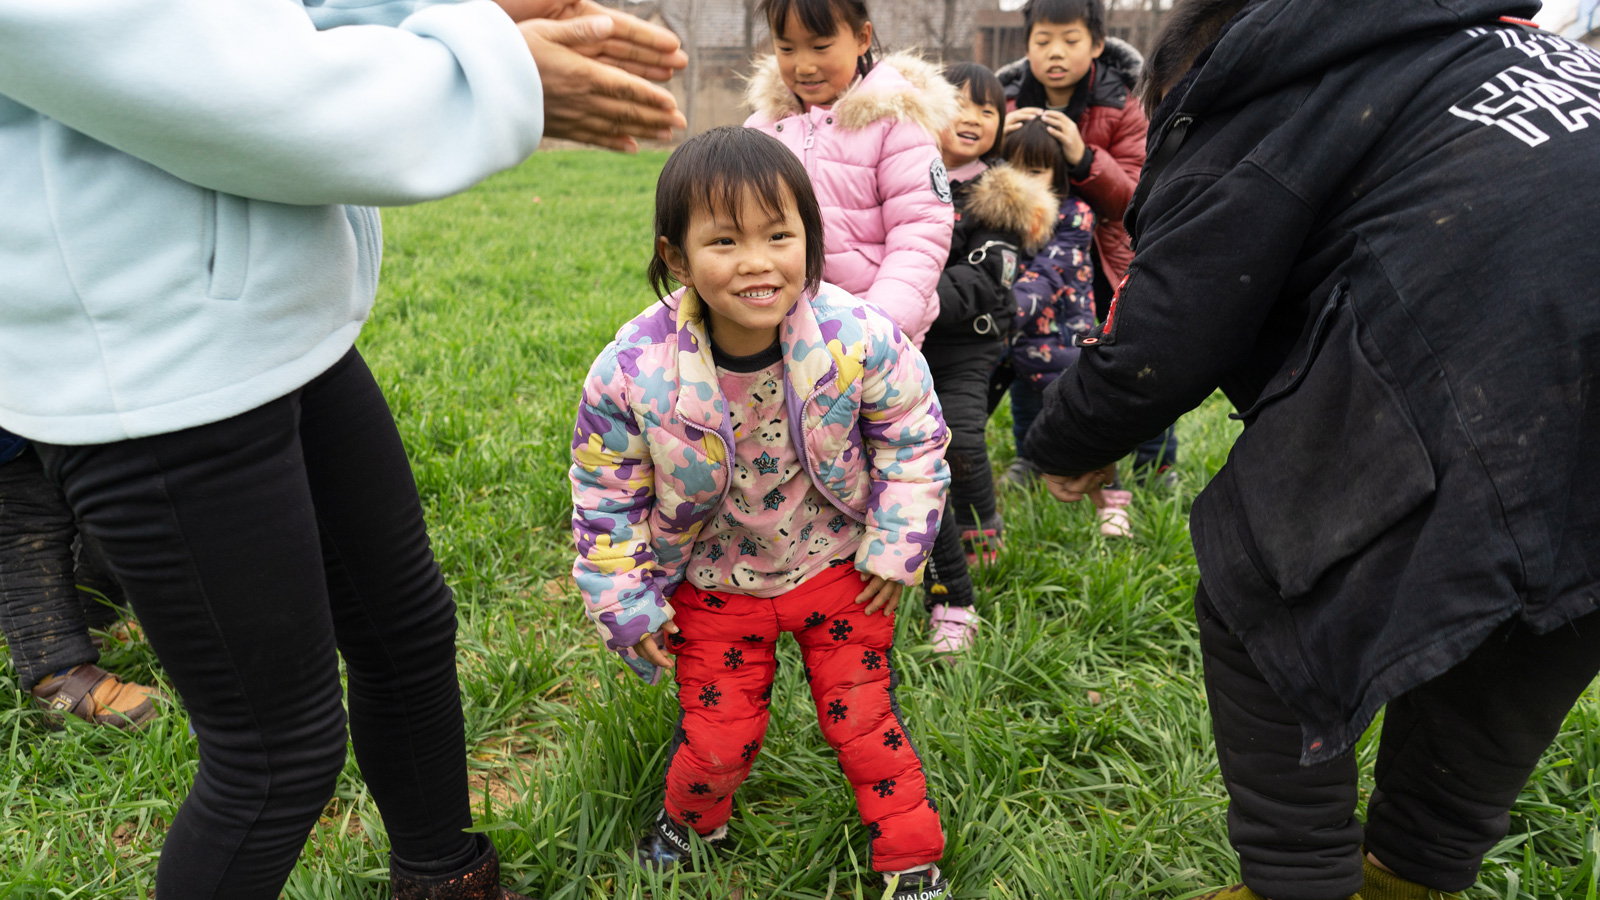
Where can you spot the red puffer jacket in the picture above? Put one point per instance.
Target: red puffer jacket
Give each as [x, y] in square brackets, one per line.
[1114, 126]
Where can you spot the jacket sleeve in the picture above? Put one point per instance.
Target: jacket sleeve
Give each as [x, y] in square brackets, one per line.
[1114, 172]
[250, 98]
[1213, 257]
[613, 494]
[903, 431]
[966, 291]
[917, 223]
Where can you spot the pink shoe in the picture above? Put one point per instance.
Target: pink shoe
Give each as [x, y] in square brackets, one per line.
[1114, 519]
[953, 628]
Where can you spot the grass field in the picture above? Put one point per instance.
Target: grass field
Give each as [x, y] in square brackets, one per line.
[1070, 753]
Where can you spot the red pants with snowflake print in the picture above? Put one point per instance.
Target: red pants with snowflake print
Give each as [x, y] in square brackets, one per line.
[725, 664]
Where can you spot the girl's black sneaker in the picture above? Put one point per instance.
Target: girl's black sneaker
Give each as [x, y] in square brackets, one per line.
[926, 884]
[665, 844]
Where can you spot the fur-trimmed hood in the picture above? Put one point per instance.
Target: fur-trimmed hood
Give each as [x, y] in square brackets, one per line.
[902, 86]
[1007, 199]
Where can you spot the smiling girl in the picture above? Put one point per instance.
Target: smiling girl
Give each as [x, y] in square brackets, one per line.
[760, 453]
[1001, 215]
[865, 130]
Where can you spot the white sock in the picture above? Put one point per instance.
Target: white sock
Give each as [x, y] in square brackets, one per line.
[922, 868]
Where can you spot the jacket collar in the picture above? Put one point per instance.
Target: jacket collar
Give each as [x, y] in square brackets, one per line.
[812, 355]
[903, 87]
[700, 400]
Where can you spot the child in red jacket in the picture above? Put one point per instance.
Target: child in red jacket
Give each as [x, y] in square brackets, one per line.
[1080, 82]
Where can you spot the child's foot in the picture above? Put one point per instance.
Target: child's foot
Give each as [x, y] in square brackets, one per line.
[1022, 474]
[1114, 519]
[96, 696]
[665, 844]
[953, 628]
[919, 884]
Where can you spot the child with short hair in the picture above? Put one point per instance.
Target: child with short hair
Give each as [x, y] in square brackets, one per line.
[1002, 214]
[866, 131]
[760, 453]
[1080, 82]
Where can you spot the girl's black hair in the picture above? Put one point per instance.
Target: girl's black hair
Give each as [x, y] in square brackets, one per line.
[1092, 13]
[714, 172]
[1190, 27]
[823, 17]
[985, 90]
[1033, 147]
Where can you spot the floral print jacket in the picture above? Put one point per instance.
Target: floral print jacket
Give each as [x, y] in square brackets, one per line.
[1055, 298]
[653, 440]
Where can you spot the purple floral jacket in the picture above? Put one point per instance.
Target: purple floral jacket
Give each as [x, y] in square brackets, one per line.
[653, 439]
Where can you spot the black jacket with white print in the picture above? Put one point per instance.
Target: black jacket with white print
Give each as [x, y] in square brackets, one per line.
[1371, 224]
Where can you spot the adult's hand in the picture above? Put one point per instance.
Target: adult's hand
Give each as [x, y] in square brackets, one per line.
[590, 101]
[634, 45]
[1072, 488]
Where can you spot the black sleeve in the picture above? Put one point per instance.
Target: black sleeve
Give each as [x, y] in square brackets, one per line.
[1214, 253]
[966, 292]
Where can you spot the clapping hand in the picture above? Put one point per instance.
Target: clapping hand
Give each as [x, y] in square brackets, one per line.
[1062, 128]
[594, 63]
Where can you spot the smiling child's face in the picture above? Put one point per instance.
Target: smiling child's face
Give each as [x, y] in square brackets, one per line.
[749, 275]
[971, 134]
[818, 67]
[1060, 55]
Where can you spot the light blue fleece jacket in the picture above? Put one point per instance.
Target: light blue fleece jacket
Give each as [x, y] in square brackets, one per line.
[185, 190]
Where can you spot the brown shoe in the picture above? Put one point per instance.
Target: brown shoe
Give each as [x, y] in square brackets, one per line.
[477, 880]
[97, 696]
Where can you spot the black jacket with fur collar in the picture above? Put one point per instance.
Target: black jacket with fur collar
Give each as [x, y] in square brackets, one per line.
[1370, 223]
[1002, 217]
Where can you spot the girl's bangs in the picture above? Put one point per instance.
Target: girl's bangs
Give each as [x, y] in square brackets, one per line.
[816, 16]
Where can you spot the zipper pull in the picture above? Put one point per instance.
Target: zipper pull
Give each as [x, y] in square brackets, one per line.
[811, 134]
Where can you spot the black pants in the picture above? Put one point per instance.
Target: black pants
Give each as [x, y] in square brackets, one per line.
[961, 371]
[1454, 754]
[253, 549]
[961, 375]
[43, 615]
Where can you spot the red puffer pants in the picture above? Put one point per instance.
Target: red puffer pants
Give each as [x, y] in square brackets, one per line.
[725, 655]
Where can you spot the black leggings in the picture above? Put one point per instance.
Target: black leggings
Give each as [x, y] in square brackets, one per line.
[252, 549]
[43, 615]
[1454, 754]
[961, 377]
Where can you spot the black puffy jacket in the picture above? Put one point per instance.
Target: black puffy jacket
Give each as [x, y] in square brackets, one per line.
[1002, 216]
[1371, 223]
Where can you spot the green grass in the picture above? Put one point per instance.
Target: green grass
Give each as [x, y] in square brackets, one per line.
[493, 305]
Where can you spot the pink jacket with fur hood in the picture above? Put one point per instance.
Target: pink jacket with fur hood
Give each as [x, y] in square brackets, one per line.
[873, 157]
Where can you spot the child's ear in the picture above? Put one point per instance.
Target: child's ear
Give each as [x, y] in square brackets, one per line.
[864, 39]
[1099, 48]
[676, 263]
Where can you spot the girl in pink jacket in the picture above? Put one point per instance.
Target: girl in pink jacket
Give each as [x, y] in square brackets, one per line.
[866, 133]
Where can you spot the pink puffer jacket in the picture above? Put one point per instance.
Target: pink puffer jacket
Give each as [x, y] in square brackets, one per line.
[873, 157]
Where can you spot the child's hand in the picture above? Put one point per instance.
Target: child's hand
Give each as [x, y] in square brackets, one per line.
[1071, 489]
[653, 647]
[1066, 132]
[1020, 117]
[883, 593]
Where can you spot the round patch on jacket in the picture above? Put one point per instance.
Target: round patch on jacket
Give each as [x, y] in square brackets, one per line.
[941, 180]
